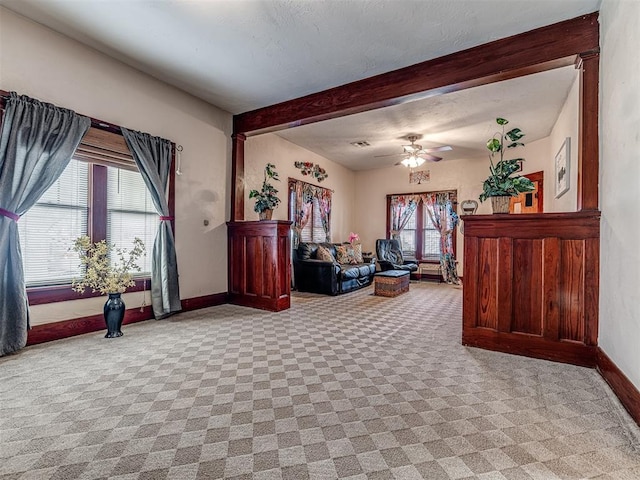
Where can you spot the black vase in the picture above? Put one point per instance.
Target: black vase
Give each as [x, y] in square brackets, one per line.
[113, 315]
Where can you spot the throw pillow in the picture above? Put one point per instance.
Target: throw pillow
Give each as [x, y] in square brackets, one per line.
[345, 255]
[357, 253]
[324, 255]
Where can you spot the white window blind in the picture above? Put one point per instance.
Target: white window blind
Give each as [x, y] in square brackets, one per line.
[431, 239]
[130, 213]
[313, 231]
[408, 237]
[49, 228]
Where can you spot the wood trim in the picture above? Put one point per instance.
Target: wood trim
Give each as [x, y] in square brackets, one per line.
[538, 177]
[534, 225]
[205, 301]
[237, 177]
[93, 323]
[534, 51]
[79, 326]
[573, 353]
[621, 385]
[63, 293]
[588, 142]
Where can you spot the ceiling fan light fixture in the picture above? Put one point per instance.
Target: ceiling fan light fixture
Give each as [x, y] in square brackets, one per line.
[412, 161]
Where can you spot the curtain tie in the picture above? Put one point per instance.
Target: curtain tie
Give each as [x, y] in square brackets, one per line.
[8, 214]
[165, 218]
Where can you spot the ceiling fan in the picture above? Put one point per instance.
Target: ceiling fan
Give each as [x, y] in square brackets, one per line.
[415, 155]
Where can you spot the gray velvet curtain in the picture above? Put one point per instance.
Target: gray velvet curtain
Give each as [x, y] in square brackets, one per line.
[153, 157]
[36, 144]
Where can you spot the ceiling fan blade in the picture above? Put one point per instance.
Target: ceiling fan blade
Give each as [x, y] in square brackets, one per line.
[390, 155]
[428, 156]
[443, 148]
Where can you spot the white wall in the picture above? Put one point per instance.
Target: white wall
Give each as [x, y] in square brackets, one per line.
[51, 67]
[619, 333]
[566, 126]
[270, 148]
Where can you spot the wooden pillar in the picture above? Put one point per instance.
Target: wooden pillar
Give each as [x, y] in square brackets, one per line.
[588, 145]
[237, 177]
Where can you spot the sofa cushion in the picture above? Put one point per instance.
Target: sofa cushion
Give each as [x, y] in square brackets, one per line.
[324, 254]
[349, 271]
[345, 255]
[307, 251]
[357, 253]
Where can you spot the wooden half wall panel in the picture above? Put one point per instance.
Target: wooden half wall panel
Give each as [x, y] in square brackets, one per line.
[259, 259]
[531, 284]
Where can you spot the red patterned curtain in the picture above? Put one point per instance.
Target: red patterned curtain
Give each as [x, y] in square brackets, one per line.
[444, 219]
[402, 207]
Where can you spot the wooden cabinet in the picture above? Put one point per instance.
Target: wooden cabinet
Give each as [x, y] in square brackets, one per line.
[531, 284]
[259, 264]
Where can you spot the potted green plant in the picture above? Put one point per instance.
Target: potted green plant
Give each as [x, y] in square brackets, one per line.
[501, 184]
[108, 270]
[266, 198]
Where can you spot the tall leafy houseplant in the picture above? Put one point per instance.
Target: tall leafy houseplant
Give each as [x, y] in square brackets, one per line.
[501, 183]
[266, 197]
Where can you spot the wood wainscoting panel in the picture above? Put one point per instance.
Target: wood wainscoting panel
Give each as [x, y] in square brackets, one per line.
[527, 285]
[531, 284]
[572, 294]
[487, 283]
[259, 264]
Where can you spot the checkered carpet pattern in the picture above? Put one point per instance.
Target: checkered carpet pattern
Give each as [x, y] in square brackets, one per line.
[351, 387]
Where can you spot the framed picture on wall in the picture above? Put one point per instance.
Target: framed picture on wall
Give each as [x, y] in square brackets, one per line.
[563, 166]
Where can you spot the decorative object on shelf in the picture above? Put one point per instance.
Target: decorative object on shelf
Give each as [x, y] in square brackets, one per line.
[563, 167]
[419, 176]
[266, 198]
[311, 169]
[501, 185]
[108, 271]
[468, 207]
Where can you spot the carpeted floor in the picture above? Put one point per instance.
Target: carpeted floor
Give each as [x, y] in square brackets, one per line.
[356, 386]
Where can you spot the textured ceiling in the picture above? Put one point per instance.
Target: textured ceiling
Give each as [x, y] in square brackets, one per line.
[245, 54]
[463, 120]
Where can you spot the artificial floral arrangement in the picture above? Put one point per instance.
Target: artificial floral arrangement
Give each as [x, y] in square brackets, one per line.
[308, 168]
[500, 181]
[354, 238]
[266, 198]
[101, 274]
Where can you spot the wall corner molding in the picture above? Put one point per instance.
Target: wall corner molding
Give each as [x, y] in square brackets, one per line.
[626, 391]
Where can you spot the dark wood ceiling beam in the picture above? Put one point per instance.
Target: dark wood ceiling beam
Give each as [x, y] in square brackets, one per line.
[538, 50]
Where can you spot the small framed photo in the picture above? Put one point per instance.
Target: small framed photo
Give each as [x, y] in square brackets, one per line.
[563, 167]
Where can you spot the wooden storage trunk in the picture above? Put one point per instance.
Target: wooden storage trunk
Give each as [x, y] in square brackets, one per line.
[391, 283]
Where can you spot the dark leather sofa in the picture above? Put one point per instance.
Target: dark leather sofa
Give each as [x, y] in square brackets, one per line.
[331, 278]
[390, 256]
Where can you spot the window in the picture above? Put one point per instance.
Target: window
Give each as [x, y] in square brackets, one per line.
[313, 231]
[305, 205]
[420, 239]
[100, 194]
[430, 238]
[130, 212]
[50, 227]
[408, 237]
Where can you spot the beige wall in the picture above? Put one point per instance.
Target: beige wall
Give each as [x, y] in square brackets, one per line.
[270, 148]
[619, 333]
[372, 187]
[50, 67]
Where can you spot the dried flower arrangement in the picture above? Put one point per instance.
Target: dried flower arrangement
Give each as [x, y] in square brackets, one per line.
[101, 274]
